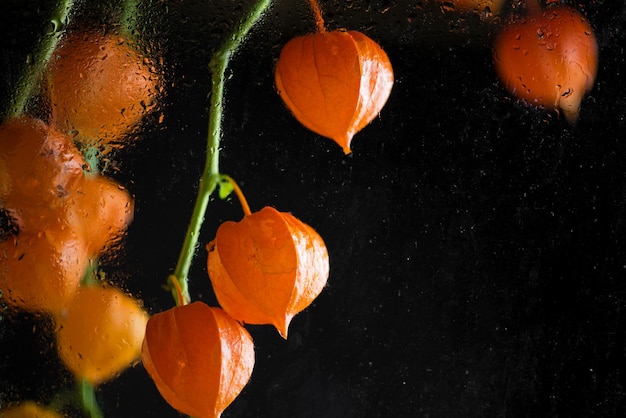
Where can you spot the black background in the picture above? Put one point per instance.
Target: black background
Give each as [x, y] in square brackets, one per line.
[477, 246]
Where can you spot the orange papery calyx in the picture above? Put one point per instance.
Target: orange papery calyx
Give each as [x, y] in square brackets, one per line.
[199, 358]
[28, 409]
[38, 165]
[99, 332]
[267, 267]
[548, 57]
[334, 82]
[100, 87]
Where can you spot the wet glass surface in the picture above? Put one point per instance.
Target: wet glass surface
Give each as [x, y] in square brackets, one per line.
[477, 245]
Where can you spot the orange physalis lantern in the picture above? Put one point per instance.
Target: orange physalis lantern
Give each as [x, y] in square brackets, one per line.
[38, 165]
[41, 271]
[334, 82]
[100, 209]
[548, 58]
[100, 87]
[267, 267]
[199, 358]
[28, 409]
[100, 332]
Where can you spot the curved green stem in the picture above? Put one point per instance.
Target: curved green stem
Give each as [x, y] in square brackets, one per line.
[232, 185]
[211, 173]
[128, 19]
[89, 402]
[39, 59]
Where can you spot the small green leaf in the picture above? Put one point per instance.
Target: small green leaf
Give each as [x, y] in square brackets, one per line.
[225, 189]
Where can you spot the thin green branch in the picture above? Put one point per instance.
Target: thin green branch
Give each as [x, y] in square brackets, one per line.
[211, 173]
[39, 59]
[130, 17]
[232, 185]
[89, 402]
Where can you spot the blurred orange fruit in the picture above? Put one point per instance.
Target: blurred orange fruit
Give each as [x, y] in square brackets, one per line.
[28, 410]
[42, 271]
[334, 83]
[38, 165]
[548, 58]
[267, 268]
[100, 209]
[100, 87]
[199, 358]
[99, 333]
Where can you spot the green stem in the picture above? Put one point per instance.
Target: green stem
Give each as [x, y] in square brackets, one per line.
[38, 61]
[211, 173]
[238, 192]
[89, 402]
[130, 12]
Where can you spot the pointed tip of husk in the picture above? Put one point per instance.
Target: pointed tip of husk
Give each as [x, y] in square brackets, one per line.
[344, 141]
[283, 326]
[571, 116]
[570, 106]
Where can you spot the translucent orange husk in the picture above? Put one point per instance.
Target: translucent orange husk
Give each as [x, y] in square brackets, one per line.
[100, 87]
[38, 164]
[199, 358]
[267, 268]
[28, 409]
[100, 209]
[42, 271]
[335, 83]
[549, 58]
[99, 333]
[64, 218]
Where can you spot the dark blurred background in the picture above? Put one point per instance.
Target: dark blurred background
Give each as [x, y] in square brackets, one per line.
[477, 245]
